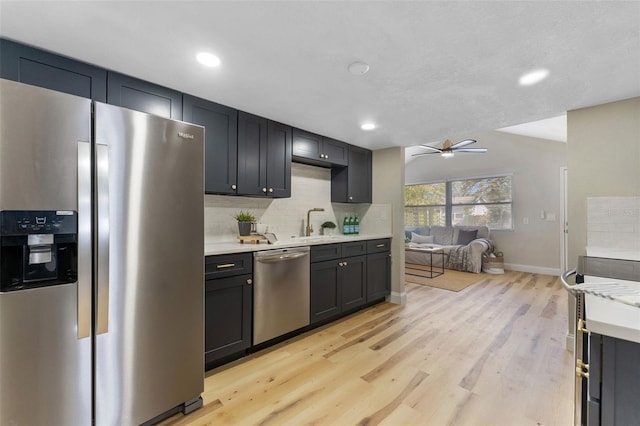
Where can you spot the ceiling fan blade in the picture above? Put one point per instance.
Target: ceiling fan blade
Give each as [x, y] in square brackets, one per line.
[463, 143]
[424, 153]
[431, 147]
[476, 150]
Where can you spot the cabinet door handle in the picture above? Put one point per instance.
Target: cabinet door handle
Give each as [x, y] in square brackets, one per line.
[380, 245]
[350, 198]
[326, 156]
[581, 373]
[234, 186]
[582, 326]
[340, 264]
[249, 281]
[582, 369]
[344, 263]
[264, 189]
[225, 265]
[270, 189]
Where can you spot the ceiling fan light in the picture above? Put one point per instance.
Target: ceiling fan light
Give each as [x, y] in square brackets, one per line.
[447, 154]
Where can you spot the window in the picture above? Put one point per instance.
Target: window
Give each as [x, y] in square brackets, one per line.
[425, 204]
[476, 202]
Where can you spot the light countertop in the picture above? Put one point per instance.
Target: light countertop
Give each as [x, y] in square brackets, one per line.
[237, 247]
[612, 306]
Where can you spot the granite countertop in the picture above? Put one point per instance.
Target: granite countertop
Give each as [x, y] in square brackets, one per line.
[237, 247]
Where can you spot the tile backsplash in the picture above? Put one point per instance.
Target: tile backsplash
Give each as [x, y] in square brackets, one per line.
[286, 217]
[613, 222]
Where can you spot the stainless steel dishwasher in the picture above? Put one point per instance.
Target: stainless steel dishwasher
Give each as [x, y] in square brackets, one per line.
[280, 292]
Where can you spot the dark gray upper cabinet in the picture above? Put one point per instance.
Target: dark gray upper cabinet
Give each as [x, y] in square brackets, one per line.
[264, 157]
[278, 159]
[221, 142]
[335, 151]
[40, 68]
[141, 95]
[252, 158]
[352, 184]
[310, 148]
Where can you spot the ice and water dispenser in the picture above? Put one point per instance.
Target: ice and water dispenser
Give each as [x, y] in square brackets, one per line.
[37, 249]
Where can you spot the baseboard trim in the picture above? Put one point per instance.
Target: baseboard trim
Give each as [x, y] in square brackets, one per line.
[398, 298]
[533, 269]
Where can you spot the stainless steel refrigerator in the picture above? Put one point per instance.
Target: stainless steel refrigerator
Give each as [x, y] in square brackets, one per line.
[101, 261]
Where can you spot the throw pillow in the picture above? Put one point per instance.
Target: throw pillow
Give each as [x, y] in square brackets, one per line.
[421, 239]
[465, 237]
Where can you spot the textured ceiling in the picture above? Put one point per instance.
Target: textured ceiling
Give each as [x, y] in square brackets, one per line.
[438, 69]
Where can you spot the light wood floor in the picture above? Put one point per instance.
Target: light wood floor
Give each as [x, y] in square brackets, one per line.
[492, 354]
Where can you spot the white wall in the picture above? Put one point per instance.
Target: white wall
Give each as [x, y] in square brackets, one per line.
[603, 159]
[535, 165]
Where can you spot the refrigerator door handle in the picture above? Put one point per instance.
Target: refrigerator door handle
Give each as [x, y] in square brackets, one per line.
[84, 239]
[102, 219]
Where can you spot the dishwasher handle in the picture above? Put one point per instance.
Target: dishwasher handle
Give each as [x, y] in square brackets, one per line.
[281, 257]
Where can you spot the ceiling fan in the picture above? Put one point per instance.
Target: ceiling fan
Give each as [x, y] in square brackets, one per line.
[448, 148]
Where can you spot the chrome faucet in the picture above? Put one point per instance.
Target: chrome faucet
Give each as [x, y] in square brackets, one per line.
[309, 226]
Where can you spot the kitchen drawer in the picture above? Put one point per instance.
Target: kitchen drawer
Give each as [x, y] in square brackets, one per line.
[379, 246]
[325, 252]
[228, 265]
[356, 248]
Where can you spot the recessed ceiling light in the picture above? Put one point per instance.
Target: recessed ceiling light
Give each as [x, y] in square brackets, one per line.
[533, 77]
[368, 126]
[208, 59]
[358, 68]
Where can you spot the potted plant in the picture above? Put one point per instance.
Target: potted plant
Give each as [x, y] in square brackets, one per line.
[244, 218]
[328, 227]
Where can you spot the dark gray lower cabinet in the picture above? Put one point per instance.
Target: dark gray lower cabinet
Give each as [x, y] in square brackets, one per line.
[325, 293]
[228, 304]
[347, 276]
[378, 275]
[614, 381]
[354, 282]
[337, 286]
[228, 307]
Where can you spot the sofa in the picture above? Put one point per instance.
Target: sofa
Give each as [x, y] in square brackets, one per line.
[463, 246]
